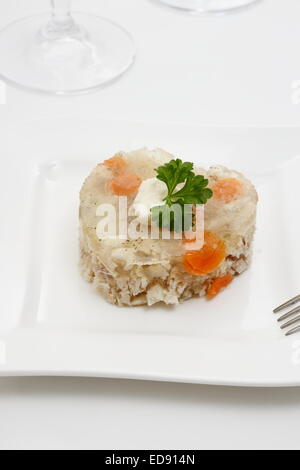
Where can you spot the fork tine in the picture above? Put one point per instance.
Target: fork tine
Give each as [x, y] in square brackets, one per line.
[291, 322]
[287, 304]
[289, 314]
[294, 330]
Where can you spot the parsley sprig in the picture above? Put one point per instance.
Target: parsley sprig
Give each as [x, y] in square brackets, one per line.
[194, 191]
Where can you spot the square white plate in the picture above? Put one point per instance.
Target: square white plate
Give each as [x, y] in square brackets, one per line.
[53, 323]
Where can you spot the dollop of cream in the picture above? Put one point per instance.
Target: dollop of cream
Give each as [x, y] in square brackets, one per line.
[150, 194]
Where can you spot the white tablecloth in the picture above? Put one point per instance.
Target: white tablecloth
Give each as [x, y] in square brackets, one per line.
[238, 70]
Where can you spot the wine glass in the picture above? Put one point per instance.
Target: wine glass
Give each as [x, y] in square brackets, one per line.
[64, 52]
[217, 7]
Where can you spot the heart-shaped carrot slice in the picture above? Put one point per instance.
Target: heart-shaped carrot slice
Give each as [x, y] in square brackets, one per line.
[209, 258]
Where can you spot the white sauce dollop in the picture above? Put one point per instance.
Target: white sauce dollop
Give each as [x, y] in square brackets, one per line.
[150, 194]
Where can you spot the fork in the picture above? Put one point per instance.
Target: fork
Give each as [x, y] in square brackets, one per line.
[290, 316]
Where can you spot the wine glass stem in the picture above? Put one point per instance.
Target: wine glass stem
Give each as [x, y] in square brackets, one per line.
[62, 20]
[61, 10]
[61, 23]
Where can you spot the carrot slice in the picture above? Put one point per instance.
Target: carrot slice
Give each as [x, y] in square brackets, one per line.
[207, 259]
[125, 184]
[115, 163]
[227, 190]
[218, 284]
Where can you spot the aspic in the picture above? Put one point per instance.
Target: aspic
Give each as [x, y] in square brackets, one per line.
[199, 248]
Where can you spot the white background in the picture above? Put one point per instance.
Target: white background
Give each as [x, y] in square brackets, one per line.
[237, 70]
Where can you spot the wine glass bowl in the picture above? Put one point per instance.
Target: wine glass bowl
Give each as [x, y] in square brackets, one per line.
[208, 7]
[64, 53]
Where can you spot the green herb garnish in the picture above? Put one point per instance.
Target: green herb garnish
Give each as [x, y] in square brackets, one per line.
[193, 192]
